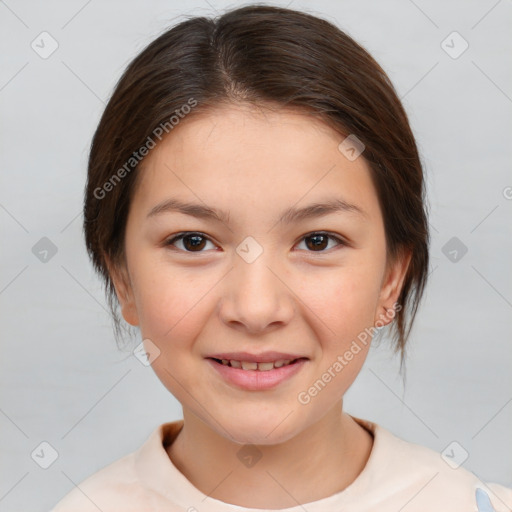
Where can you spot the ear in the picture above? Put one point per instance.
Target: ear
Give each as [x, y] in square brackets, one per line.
[124, 291]
[391, 287]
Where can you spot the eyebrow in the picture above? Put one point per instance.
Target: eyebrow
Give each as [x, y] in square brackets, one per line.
[290, 215]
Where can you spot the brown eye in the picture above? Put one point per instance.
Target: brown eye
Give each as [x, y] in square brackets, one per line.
[196, 242]
[191, 242]
[318, 242]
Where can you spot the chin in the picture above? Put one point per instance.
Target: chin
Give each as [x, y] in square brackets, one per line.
[259, 428]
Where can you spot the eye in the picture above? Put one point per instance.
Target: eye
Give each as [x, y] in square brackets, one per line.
[191, 241]
[195, 242]
[319, 241]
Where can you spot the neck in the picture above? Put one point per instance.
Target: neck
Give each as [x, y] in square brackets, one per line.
[322, 460]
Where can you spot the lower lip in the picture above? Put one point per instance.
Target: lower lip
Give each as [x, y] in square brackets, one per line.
[257, 380]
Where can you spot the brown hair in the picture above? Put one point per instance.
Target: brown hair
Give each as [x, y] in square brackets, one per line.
[262, 55]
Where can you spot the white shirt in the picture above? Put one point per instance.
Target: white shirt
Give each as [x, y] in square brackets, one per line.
[399, 476]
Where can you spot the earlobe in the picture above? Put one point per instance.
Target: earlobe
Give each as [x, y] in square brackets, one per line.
[391, 287]
[124, 292]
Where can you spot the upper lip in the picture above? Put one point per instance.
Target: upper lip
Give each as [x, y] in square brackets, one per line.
[264, 357]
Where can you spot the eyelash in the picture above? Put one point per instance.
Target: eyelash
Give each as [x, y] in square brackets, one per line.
[180, 236]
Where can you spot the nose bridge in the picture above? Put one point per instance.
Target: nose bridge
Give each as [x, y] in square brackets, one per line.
[256, 276]
[257, 297]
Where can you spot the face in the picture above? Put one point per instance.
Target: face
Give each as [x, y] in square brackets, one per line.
[266, 275]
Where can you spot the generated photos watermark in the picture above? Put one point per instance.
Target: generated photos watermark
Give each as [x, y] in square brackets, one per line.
[305, 396]
[143, 151]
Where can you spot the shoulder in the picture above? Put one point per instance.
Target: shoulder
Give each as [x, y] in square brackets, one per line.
[426, 479]
[113, 486]
[126, 484]
[444, 483]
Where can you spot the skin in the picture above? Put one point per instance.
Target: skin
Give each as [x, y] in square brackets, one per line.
[294, 298]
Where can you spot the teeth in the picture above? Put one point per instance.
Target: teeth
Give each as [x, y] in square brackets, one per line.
[246, 365]
[265, 366]
[250, 365]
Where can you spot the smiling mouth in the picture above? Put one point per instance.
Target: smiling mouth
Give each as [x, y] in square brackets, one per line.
[255, 366]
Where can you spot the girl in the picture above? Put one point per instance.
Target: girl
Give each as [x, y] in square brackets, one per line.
[255, 203]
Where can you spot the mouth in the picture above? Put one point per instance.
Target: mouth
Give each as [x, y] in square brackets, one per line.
[255, 365]
[256, 375]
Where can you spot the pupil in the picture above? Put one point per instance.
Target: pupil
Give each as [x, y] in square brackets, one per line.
[198, 241]
[317, 243]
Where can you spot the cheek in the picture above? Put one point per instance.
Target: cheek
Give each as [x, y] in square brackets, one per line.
[344, 299]
[171, 307]
[169, 301]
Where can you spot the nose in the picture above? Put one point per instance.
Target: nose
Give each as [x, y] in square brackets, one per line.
[256, 298]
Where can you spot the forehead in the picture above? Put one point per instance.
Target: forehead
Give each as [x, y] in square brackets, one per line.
[248, 135]
[240, 155]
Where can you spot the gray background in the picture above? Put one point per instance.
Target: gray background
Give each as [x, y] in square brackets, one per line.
[63, 380]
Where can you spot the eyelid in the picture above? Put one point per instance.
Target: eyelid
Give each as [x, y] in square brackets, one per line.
[341, 241]
[334, 236]
[179, 236]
